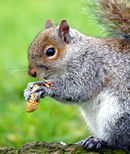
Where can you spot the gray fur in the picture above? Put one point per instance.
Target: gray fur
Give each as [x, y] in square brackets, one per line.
[82, 71]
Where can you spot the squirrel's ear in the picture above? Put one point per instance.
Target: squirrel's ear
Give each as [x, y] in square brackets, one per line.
[64, 31]
[48, 24]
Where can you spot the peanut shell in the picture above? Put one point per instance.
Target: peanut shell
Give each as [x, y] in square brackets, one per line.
[32, 105]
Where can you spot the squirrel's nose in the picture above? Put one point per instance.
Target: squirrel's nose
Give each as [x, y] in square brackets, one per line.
[32, 72]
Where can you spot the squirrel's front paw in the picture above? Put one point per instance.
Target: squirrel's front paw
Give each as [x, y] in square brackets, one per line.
[39, 91]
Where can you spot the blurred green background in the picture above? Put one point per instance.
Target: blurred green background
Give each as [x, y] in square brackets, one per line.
[20, 21]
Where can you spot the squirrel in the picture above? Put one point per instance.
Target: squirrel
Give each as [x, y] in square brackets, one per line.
[93, 73]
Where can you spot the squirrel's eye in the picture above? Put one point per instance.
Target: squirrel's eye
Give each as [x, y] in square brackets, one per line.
[50, 52]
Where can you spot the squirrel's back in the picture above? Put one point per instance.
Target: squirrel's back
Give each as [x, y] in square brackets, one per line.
[116, 64]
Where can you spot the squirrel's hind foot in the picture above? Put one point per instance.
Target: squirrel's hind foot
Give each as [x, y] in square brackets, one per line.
[92, 143]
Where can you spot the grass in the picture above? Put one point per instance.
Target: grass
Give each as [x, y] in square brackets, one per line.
[20, 22]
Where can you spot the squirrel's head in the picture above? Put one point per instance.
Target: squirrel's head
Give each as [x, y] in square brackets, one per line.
[47, 53]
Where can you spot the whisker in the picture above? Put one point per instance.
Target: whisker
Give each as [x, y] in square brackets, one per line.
[17, 70]
[14, 67]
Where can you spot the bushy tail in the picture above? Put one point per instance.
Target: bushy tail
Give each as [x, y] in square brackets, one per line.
[116, 15]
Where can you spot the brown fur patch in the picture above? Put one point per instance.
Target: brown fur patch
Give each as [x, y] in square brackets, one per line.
[41, 44]
[117, 45]
[107, 81]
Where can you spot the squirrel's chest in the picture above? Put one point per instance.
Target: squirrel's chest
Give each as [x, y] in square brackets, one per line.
[99, 112]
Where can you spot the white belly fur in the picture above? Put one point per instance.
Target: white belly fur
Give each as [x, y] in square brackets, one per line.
[100, 112]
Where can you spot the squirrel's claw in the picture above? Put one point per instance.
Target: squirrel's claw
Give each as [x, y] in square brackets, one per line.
[40, 94]
[38, 91]
[27, 94]
[92, 143]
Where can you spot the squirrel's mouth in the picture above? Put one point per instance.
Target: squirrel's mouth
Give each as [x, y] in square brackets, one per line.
[46, 77]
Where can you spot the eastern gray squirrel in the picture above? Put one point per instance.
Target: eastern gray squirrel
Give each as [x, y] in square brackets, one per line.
[90, 72]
